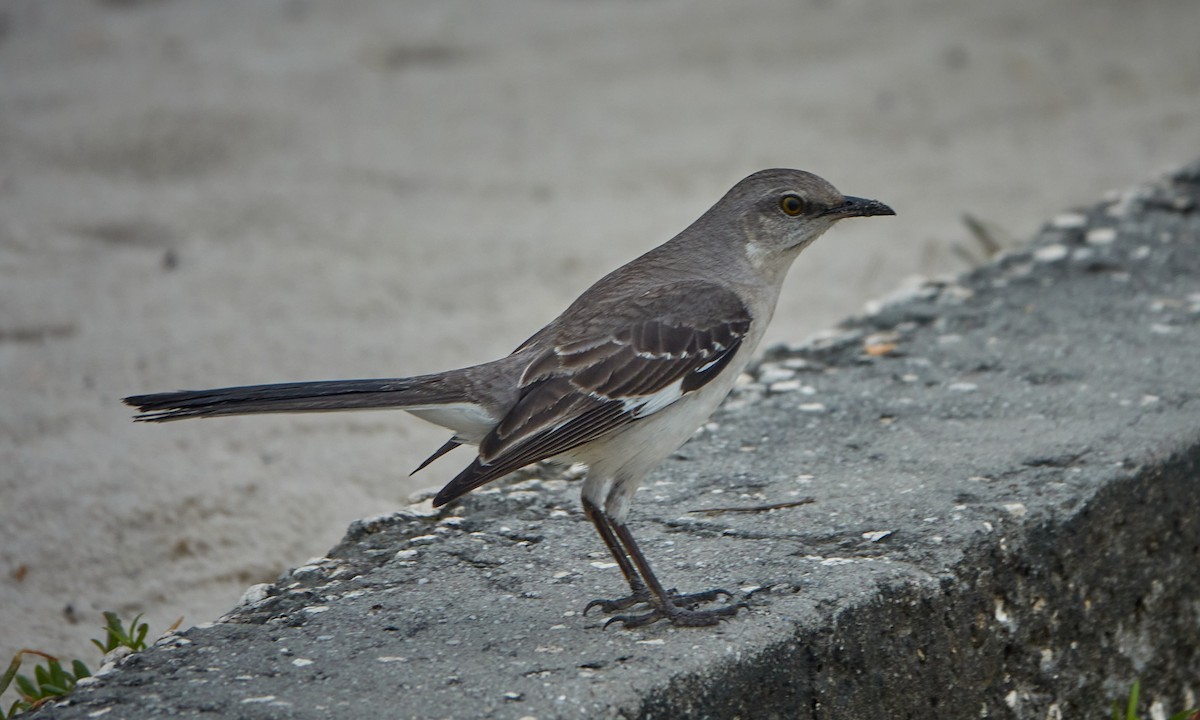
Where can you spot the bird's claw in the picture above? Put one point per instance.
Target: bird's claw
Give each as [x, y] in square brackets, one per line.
[688, 601]
[611, 606]
[678, 616]
[691, 600]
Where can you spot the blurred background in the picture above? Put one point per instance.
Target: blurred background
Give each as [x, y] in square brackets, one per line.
[210, 193]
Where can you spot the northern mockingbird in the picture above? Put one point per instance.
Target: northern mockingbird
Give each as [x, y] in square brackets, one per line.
[618, 381]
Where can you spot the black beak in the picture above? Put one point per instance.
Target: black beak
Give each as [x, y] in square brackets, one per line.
[859, 207]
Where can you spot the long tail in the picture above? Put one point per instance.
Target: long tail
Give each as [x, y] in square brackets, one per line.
[301, 397]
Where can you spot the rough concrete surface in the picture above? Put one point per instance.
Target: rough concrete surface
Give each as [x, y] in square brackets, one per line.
[1004, 523]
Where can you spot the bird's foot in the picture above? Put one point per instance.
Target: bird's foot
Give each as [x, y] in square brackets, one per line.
[691, 600]
[617, 604]
[688, 601]
[680, 616]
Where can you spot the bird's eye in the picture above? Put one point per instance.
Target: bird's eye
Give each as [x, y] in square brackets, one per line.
[792, 205]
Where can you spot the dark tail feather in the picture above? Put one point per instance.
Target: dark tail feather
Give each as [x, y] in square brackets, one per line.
[298, 397]
[450, 445]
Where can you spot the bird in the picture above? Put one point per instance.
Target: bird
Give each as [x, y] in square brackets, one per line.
[617, 382]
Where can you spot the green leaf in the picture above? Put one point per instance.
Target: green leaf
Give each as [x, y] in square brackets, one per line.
[112, 625]
[112, 632]
[49, 689]
[58, 676]
[10, 673]
[17, 706]
[1131, 707]
[80, 670]
[26, 687]
[140, 642]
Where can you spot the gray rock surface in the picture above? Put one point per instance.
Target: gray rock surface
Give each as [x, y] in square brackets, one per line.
[1004, 522]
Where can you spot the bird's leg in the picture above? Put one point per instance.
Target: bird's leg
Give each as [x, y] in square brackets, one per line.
[644, 586]
[675, 608]
[638, 592]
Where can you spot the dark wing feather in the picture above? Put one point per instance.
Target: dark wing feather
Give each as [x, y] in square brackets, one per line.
[606, 370]
[589, 425]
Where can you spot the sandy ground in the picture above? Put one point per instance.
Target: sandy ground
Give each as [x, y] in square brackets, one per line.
[205, 193]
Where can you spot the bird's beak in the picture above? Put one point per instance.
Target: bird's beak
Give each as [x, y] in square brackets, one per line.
[859, 207]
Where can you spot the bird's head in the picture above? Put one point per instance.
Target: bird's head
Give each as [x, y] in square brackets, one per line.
[780, 212]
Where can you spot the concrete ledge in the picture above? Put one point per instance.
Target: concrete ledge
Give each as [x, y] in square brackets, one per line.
[1005, 474]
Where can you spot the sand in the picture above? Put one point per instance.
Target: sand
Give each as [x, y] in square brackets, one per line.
[207, 193]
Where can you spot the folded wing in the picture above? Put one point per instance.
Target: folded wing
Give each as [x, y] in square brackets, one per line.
[607, 368]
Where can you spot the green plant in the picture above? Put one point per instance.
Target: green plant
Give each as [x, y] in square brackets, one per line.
[116, 636]
[51, 680]
[1132, 702]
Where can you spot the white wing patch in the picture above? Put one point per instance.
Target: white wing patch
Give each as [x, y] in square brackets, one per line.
[709, 364]
[643, 405]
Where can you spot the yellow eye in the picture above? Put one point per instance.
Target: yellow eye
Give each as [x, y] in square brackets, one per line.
[792, 205]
